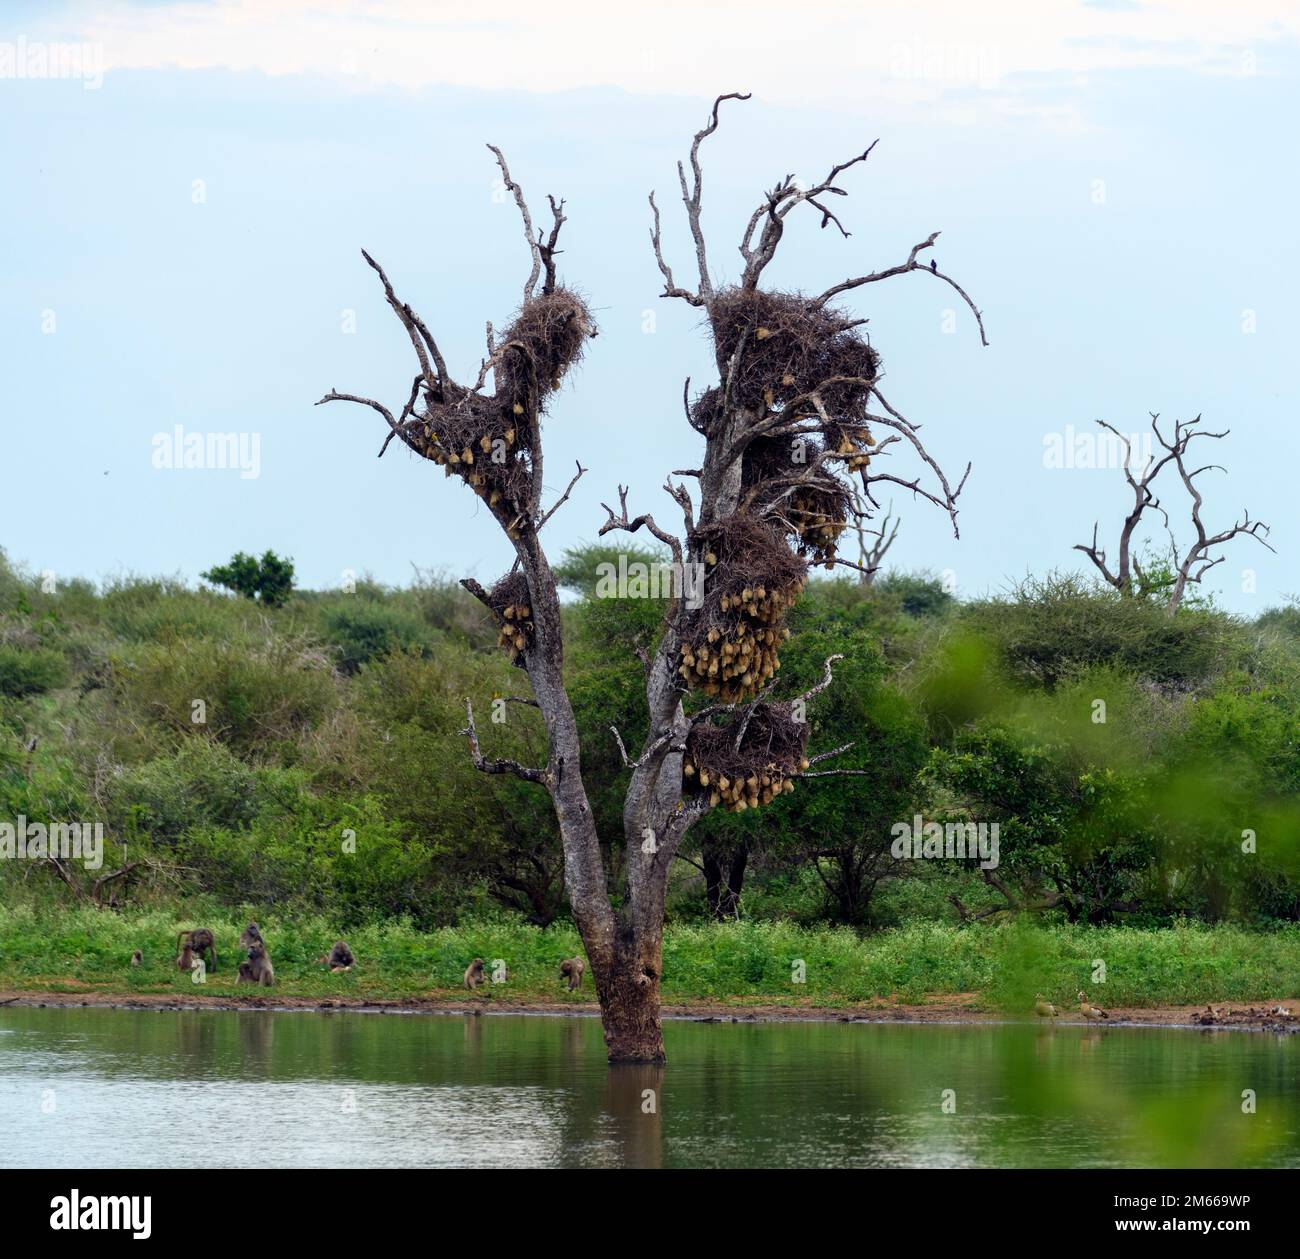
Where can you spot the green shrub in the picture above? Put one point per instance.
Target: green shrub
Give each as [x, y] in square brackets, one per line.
[254, 696]
[1049, 627]
[363, 630]
[31, 671]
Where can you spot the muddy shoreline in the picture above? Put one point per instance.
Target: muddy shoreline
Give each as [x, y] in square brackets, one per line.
[1258, 1016]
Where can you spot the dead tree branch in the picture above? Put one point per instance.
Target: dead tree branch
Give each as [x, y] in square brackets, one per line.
[499, 766]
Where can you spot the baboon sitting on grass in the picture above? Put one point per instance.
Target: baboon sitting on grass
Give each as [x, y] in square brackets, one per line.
[258, 968]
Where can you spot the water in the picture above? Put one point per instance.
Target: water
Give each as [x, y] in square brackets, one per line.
[117, 1088]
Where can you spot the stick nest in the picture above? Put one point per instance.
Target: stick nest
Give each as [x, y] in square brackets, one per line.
[771, 751]
[510, 601]
[549, 332]
[787, 351]
[729, 645]
[489, 441]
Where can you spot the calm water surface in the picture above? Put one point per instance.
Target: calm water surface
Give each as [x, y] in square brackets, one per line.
[118, 1088]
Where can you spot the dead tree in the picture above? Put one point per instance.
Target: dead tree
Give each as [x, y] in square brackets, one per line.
[793, 411]
[1128, 576]
[871, 554]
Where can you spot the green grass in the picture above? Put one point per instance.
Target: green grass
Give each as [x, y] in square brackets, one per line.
[80, 950]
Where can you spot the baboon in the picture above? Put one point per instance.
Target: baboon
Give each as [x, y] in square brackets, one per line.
[474, 974]
[137, 958]
[258, 968]
[250, 936]
[200, 941]
[571, 969]
[185, 962]
[339, 957]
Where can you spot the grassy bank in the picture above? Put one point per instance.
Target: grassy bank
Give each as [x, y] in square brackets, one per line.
[82, 950]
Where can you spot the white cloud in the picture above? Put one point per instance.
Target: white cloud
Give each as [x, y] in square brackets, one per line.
[851, 54]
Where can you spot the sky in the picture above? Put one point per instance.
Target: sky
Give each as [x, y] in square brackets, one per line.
[188, 186]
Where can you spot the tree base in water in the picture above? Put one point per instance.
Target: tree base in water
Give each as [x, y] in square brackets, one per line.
[630, 1016]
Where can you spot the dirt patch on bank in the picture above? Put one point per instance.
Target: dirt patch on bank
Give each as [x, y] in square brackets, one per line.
[1276, 1016]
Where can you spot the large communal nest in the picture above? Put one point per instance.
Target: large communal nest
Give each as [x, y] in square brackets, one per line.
[547, 336]
[510, 601]
[488, 446]
[754, 771]
[787, 484]
[489, 441]
[729, 646]
[787, 350]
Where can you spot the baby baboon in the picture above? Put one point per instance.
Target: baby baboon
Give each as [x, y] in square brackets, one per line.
[571, 969]
[185, 962]
[201, 941]
[339, 957]
[137, 958]
[258, 968]
[474, 974]
[250, 936]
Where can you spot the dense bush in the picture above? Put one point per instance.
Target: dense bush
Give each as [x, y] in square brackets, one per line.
[30, 671]
[364, 630]
[1123, 752]
[1048, 627]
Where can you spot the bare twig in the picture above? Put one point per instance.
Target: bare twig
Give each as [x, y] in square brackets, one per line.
[564, 498]
[901, 269]
[499, 766]
[533, 246]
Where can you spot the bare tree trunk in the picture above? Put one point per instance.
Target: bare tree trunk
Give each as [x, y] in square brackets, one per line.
[723, 882]
[629, 1001]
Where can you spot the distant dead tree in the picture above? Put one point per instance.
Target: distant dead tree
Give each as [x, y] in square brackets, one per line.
[871, 555]
[790, 418]
[1128, 576]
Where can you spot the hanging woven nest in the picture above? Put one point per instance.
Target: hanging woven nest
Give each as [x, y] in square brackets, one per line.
[787, 487]
[771, 751]
[729, 646]
[510, 602]
[487, 446]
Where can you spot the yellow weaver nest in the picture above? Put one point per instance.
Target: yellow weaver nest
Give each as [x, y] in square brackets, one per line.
[510, 601]
[815, 510]
[771, 751]
[729, 646]
[488, 446]
[489, 441]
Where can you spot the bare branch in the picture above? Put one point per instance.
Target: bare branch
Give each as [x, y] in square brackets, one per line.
[335, 396]
[533, 246]
[547, 248]
[901, 269]
[873, 556]
[564, 498]
[621, 521]
[783, 198]
[671, 289]
[499, 766]
[424, 344]
[1192, 566]
[826, 678]
[691, 196]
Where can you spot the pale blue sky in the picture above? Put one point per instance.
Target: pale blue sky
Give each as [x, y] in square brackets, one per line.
[318, 130]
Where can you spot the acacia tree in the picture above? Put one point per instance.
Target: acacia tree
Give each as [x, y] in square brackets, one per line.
[1128, 576]
[792, 416]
